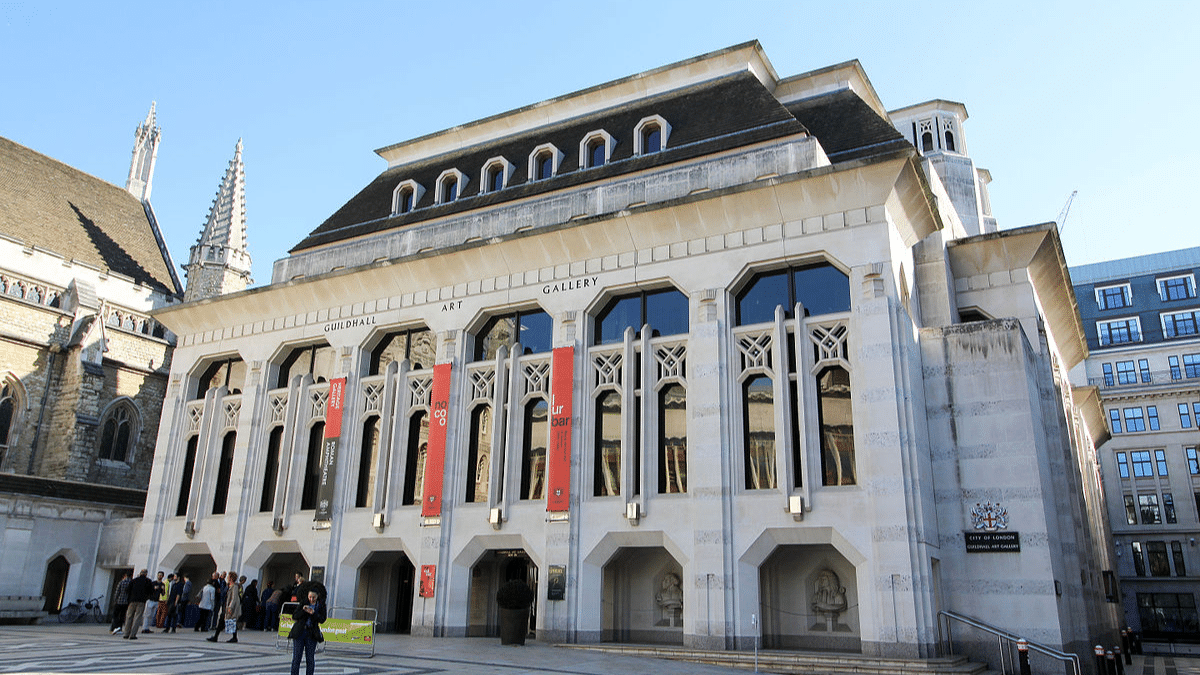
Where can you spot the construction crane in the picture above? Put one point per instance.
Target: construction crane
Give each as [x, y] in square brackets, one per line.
[1062, 215]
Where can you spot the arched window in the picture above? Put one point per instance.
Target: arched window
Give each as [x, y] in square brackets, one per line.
[596, 149]
[478, 454]
[228, 373]
[271, 471]
[185, 479]
[672, 439]
[607, 479]
[117, 430]
[545, 166]
[533, 329]
[224, 474]
[495, 174]
[367, 462]
[415, 344]
[927, 141]
[312, 467]
[950, 141]
[9, 420]
[544, 161]
[837, 426]
[450, 185]
[533, 449]
[449, 190]
[414, 461]
[665, 310]
[758, 427]
[318, 360]
[650, 135]
[405, 196]
[596, 154]
[496, 178]
[821, 289]
[405, 201]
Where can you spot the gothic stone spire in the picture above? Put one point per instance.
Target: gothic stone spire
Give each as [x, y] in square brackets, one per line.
[145, 152]
[220, 261]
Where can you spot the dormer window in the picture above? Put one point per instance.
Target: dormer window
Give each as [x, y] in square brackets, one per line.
[450, 185]
[405, 196]
[650, 135]
[495, 174]
[544, 162]
[946, 126]
[596, 149]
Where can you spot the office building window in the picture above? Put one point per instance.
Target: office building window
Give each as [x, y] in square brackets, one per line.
[532, 329]
[1122, 465]
[1134, 420]
[1125, 373]
[1193, 462]
[1156, 556]
[1185, 418]
[1177, 558]
[1165, 614]
[819, 289]
[1139, 561]
[1142, 467]
[1119, 331]
[1177, 288]
[1113, 297]
[1152, 417]
[1169, 508]
[1114, 420]
[1191, 365]
[1176, 372]
[1179, 324]
[1148, 506]
[1144, 368]
[1109, 380]
[1131, 514]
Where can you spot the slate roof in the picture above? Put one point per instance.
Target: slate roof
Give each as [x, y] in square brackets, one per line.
[722, 114]
[52, 206]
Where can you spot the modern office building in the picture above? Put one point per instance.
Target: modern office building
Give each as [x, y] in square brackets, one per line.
[1140, 315]
[698, 353]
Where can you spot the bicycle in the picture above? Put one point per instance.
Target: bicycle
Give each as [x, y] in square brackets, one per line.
[80, 610]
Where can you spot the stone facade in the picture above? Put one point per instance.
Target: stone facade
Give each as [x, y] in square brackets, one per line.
[760, 377]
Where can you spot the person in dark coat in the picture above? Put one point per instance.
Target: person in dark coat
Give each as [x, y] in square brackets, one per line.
[306, 633]
[250, 605]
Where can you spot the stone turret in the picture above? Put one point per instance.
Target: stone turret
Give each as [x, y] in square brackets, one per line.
[145, 153]
[220, 261]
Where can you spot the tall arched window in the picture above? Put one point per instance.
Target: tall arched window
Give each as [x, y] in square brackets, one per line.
[271, 471]
[820, 288]
[950, 141]
[318, 360]
[544, 165]
[224, 474]
[672, 439]
[532, 328]
[185, 479]
[596, 153]
[404, 201]
[367, 461]
[758, 424]
[651, 139]
[415, 344]
[9, 408]
[533, 449]
[607, 480]
[117, 431]
[665, 310]
[312, 467]
[478, 454]
[414, 461]
[837, 426]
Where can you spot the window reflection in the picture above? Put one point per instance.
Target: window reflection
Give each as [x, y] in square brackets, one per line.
[312, 467]
[316, 360]
[533, 452]
[533, 329]
[478, 454]
[837, 426]
[417, 345]
[822, 289]
[367, 463]
[607, 481]
[665, 310]
[672, 439]
[414, 461]
[758, 396]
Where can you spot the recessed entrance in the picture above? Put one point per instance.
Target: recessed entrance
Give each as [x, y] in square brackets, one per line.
[809, 599]
[644, 597]
[385, 582]
[494, 568]
[55, 585]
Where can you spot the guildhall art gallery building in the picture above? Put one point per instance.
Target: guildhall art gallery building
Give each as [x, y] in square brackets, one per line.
[698, 353]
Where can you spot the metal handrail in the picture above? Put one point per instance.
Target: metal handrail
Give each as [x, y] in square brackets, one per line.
[1001, 636]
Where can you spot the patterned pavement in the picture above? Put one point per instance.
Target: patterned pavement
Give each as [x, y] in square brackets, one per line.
[57, 649]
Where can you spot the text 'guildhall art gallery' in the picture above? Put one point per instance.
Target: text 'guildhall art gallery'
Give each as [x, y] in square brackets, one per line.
[699, 354]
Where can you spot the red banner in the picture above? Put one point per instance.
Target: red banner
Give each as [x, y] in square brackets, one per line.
[558, 461]
[334, 405]
[428, 575]
[435, 458]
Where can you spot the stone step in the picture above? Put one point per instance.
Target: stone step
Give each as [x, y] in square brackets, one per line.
[798, 663]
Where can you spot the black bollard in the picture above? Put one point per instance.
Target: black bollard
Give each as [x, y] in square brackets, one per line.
[1110, 662]
[1120, 662]
[1023, 656]
[1100, 667]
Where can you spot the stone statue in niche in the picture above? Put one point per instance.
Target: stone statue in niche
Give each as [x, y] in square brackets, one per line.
[670, 601]
[829, 601]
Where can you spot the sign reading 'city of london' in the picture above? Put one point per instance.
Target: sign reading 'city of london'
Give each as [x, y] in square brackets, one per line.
[988, 520]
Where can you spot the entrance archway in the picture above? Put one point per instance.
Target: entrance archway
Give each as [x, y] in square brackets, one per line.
[282, 568]
[809, 599]
[493, 568]
[644, 597]
[385, 582]
[55, 585]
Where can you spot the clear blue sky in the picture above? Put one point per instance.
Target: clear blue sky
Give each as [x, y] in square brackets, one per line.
[1063, 96]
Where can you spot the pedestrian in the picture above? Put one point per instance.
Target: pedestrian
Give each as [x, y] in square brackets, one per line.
[250, 606]
[172, 604]
[264, 617]
[208, 596]
[306, 633]
[185, 599]
[160, 618]
[232, 609]
[140, 590]
[120, 604]
[271, 606]
[151, 614]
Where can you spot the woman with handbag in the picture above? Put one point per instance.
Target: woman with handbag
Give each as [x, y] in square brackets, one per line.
[306, 633]
[233, 610]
